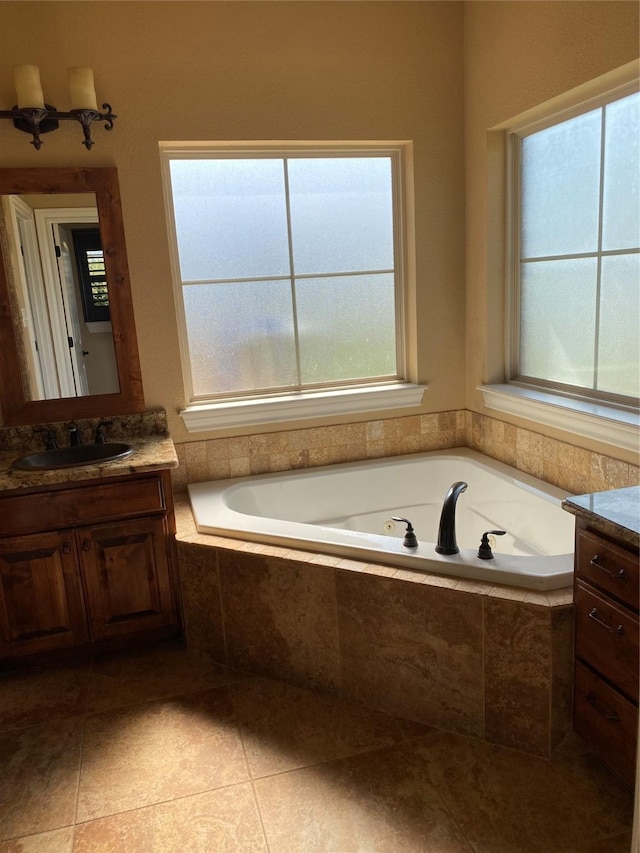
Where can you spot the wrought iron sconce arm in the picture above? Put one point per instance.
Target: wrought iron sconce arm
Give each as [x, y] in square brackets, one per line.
[37, 121]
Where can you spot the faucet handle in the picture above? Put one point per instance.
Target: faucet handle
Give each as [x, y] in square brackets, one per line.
[49, 438]
[410, 540]
[484, 551]
[100, 436]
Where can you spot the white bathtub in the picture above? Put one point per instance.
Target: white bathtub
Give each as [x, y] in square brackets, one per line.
[346, 510]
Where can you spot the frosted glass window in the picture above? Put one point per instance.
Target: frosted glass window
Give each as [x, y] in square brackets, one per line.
[560, 186]
[230, 218]
[577, 217]
[287, 269]
[346, 327]
[558, 300]
[341, 214]
[619, 339]
[621, 206]
[240, 336]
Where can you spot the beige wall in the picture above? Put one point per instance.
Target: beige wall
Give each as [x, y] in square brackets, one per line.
[265, 70]
[438, 73]
[517, 56]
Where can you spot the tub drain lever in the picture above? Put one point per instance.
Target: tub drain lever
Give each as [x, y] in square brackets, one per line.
[410, 540]
[484, 551]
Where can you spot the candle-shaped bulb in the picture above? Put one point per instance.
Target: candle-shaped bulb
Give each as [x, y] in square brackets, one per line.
[28, 88]
[82, 89]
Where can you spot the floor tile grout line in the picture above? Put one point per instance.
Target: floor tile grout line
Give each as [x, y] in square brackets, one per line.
[77, 797]
[251, 780]
[159, 803]
[451, 814]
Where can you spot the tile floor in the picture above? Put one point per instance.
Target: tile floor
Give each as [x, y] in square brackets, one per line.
[160, 750]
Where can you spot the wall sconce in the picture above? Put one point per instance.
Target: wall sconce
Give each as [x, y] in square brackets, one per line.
[33, 116]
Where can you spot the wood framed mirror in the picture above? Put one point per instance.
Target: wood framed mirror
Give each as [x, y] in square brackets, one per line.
[27, 395]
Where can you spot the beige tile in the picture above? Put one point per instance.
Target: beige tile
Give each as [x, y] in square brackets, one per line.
[185, 521]
[238, 446]
[39, 778]
[150, 753]
[447, 421]
[508, 802]
[285, 727]
[29, 697]
[374, 431]
[224, 821]
[56, 841]
[413, 650]
[517, 665]
[429, 424]
[201, 604]
[156, 672]
[379, 801]
[280, 618]
[239, 466]
[561, 675]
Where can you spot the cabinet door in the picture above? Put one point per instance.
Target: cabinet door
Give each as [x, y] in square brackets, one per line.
[41, 605]
[126, 578]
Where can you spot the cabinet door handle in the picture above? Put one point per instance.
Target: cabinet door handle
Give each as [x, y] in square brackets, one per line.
[86, 545]
[66, 547]
[596, 618]
[592, 699]
[621, 575]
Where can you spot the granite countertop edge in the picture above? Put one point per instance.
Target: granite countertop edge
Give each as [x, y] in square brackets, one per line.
[615, 512]
[150, 453]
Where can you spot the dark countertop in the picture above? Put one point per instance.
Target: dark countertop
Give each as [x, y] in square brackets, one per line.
[616, 512]
[153, 450]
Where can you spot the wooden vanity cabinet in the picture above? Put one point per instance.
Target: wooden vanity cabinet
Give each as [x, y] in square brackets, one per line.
[86, 564]
[606, 648]
[41, 594]
[125, 575]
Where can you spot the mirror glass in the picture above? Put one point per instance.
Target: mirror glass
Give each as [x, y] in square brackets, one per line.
[56, 276]
[67, 331]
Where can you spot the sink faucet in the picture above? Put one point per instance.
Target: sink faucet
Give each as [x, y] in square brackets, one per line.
[447, 531]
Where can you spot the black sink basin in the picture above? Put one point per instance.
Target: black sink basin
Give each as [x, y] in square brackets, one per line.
[72, 457]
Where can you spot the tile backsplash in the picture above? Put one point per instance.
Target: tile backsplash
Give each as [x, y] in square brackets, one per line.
[570, 468]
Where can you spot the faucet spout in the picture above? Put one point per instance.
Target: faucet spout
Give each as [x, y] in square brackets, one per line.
[447, 531]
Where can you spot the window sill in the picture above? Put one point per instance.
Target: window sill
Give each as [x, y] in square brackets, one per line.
[618, 427]
[291, 407]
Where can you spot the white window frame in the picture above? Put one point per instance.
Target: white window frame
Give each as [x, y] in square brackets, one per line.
[611, 421]
[248, 410]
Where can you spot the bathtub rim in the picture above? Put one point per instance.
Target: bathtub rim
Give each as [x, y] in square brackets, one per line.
[545, 573]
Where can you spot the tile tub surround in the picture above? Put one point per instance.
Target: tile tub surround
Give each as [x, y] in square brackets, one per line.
[562, 464]
[490, 662]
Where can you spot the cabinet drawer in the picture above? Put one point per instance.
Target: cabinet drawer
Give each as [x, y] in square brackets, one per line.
[61, 508]
[607, 639]
[607, 721]
[604, 564]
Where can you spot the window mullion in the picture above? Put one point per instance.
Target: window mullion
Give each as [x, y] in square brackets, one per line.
[599, 258]
[513, 261]
[294, 307]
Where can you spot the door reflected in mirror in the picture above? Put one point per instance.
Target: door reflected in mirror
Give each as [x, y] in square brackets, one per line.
[57, 279]
[28, 377]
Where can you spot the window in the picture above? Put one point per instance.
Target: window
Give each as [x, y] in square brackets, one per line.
[92, 274]
[575, 252]
[289, 269]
